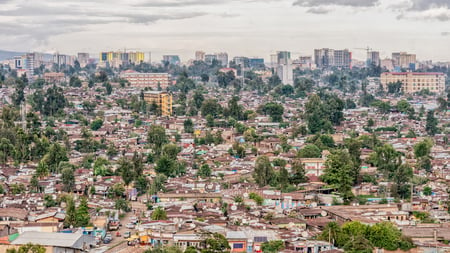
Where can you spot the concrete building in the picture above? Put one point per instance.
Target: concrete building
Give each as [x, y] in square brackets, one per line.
[144, 80]
[83, 59]
[343, 59]
[171, 59]
[62, 59]
[162, 99]
[223, 59]
[257, 63]
[200, 56]
[326, 58]
[404, 60]
[415, 81]
[286, 73]
[373, 58]
[115, 59]
[54, 77]
[283, 57]
[209, 58]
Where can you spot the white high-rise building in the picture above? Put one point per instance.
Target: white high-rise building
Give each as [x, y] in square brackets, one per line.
[286, 73]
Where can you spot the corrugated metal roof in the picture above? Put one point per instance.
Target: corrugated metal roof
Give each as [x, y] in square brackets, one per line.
[75, 240]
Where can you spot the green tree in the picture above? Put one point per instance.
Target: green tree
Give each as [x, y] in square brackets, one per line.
[28, 248]
[204, 171]
[263, 171]
[257, 198]
[341, 172]
[70, 218]
[157, 138]
[68, 179]
[423, 148]
[309, 151]
[96, 124]
[216, 243]
[159, 214]
[384, 235]
[431, 124]
[171, 151]
[126, 170]
[403, 106]
[427, 191]
[272, 246]
[188, 126]
[274, 110]
[211, 107]
[122, 204]
[82, 217]
[298, 173]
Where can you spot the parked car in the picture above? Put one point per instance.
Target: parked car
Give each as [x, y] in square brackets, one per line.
[130, 226]
[127, 235]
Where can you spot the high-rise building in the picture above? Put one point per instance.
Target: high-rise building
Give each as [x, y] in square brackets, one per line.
[404, 60]
[223, 59]
[285, 73]
[147, 80]
[326, 57]
[25, 64]
[210, 58]
[200, 56]
[83, 59]
[283, 57]
[257, 63]
[116, 59]
[171, 59]
[342, 58]
[30, 65]
[162, 99]
[415, 81]
[373, 58]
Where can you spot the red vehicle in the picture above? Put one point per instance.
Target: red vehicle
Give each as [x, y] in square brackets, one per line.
[118, 234]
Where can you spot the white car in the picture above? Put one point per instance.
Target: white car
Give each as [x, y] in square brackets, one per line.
[130, 226]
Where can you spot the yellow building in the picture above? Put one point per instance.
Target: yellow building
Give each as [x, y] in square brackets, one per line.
[122, 57]
[415, 81]
[162, 99]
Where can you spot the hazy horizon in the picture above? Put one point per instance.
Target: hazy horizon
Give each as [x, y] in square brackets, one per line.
[245, 27]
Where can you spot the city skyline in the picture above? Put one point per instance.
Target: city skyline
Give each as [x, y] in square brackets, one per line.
[246, 27]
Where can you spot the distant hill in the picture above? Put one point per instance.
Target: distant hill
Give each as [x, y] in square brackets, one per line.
[4, 55]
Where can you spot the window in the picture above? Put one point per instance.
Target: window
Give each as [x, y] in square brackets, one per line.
[238, 245]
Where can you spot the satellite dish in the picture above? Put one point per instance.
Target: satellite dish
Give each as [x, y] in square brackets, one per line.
[245, 195]
[305, 234]
[323, 213]
[233, 208]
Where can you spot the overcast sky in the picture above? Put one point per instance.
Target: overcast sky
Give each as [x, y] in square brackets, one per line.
[239, 27]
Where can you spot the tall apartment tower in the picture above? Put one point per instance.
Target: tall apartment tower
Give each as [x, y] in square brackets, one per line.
[404, 60]
[223, 59]
[283, 57]
[284, 67]
[373, 58]
[324, 57]
[342, 58]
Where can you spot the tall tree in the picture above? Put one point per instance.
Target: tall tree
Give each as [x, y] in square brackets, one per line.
[431, 124]
[82, 213]
[263, 171]
[341, 172]
[157, 138]
[68, 179]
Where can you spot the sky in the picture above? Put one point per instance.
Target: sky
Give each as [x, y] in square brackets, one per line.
[239, 27]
